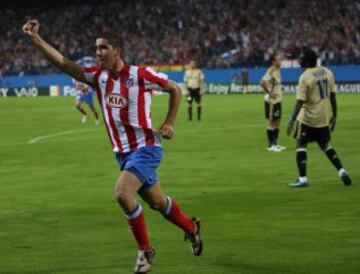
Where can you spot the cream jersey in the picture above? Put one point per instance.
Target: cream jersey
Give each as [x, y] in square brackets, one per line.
[273, 77]
[194, 78]
[314, 88]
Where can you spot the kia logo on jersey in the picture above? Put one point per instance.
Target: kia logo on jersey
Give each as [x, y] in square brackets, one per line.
[116, 100]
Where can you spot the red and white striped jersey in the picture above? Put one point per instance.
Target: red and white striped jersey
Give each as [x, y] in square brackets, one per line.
[126, 103]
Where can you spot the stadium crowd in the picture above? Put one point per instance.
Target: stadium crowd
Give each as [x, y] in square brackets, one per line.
[218, 33]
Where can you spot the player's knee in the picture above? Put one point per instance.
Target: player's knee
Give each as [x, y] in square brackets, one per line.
[158, 205]
[324, 146]
[122, 197]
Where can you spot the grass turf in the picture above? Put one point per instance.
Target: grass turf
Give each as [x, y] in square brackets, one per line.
[58, 215]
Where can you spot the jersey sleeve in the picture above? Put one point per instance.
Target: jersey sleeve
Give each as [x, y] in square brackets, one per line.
[202, 76]
[302, 89]
[331, 82]
[267, 76]
[153, 80]
[89, 73]
[185, 76]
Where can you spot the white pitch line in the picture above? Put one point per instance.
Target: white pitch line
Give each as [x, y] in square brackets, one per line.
[179, 131]
[43, 137]
[47, 137]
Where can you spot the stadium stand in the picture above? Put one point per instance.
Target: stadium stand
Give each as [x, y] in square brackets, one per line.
[220, 34]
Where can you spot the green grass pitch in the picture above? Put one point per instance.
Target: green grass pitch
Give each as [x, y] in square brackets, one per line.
[58, 214]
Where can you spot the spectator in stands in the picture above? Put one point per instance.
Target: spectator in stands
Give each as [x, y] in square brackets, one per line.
[205, 29]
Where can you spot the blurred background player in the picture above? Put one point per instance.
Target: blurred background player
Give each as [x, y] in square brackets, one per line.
[124, 93]
[271, 83]
[1, 73]
[84, 93]
[194, 83]
[245, 81]
[315, 110]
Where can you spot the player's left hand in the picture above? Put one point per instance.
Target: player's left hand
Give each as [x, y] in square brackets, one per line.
[289, 127]
[166, 131]
[332, 123]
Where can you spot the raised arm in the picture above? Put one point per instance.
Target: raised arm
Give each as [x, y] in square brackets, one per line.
[31, 28]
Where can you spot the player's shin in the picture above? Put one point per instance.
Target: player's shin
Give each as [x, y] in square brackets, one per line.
[333, 157]
[199, 112]
[270, 136]
[79, 108]
[301, 158]
[190, 113]
[276, 134]
[174, 214]
[136, 221]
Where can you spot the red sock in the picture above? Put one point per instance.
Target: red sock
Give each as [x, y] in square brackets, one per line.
[137, 225]
[96, 115]
[177, 217]
[82, 111]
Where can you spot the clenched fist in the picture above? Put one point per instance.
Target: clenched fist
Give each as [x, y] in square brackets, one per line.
[31, 27]
[166, 131]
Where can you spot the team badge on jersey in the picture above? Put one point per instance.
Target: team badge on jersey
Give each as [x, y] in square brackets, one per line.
[129, 82]
[116, 100]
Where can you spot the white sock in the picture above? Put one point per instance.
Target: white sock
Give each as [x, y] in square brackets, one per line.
[341, 172]
[303, 179]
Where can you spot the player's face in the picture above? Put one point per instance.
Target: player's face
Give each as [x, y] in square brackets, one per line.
[277, 61]
[192, 64]
[106, 54]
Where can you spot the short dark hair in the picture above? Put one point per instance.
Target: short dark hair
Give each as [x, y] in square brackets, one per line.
[272, 58]
[308, 58]
[112, 37]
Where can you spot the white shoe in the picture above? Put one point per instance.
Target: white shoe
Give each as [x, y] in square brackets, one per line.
[274, 148]
[280, 147]
[97, 122]
[144, 261]
[84, 118]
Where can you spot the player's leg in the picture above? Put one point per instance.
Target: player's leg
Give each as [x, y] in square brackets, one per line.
[335, 160]
[88, 98]
[276, 114]
[170, 209]
[125, 191]
[93, 109]
[80, 109]
[198, 102]
[301, 156]
[190, 100]
[271, 134]
[270, 130]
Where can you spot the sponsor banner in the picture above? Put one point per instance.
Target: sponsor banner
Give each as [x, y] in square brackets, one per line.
[168, 67]
[55, 90]
[24, 92]
[212, 88]
[346, 87]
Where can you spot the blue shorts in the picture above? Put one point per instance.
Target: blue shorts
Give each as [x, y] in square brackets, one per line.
[142, 163]
[85, 97]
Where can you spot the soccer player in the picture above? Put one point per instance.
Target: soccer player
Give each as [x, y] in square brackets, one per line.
[271, 83]
[315, 102]
[84, 93]
[194, 83]
[124, 93]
